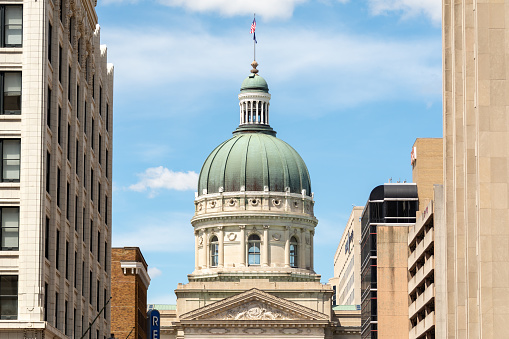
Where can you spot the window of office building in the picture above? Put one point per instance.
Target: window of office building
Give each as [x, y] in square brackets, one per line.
[57, 250]
[12, 25]
[11, 89]
[11, 158]
[50, 40]
[10, 228]
[8, 297]
[48, 108]
[48, 170]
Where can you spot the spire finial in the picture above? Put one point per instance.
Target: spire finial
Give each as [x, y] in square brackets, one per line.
[254, 64]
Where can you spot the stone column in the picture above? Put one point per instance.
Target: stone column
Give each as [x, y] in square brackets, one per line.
[196, 251]
[240, 108]
[311, 234]
[251, 112]
[263, 112]
[203, 260]
[242, 245]
[256, 111]
[302, 249]
[287, 246]
[265, 257]
[221, 246]
[205, 249]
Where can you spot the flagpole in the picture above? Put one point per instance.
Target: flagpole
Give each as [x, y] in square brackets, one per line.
[254, 40]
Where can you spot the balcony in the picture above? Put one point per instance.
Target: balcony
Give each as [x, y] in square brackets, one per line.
[422, 273]
[421, 301]
[423, 326]
[429, 238]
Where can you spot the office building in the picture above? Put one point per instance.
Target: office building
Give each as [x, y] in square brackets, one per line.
[388, 214]
[129, 293]
[425, 254]
[476, 175]
[346, 282]
[55, 190]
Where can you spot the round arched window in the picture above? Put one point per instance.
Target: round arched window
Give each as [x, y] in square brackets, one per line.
[214, 251]
[294, 259]
[253, 249]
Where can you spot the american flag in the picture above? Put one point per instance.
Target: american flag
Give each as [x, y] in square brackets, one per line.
[253, 26]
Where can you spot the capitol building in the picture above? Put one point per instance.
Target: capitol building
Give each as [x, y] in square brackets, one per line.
[254, 225]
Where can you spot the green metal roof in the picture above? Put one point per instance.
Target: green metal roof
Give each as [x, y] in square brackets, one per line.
[254, 83]
[255, 161]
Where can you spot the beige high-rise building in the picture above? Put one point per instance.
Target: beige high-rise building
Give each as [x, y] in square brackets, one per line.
[55, 185]
[347, 263]
[424, 251]
[476, 175]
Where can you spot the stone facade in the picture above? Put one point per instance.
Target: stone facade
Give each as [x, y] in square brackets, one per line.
[427, 173]
[476, 175]
[61, 262]
[129, 293]
[347, 263]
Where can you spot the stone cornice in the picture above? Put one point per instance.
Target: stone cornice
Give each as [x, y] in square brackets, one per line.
[265, 215]
[136, 268]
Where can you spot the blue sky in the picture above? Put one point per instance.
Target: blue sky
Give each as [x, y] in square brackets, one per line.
[353, 83]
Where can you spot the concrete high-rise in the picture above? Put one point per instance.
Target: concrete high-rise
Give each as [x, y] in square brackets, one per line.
[347, 263]
[426, 255]
[476, 159]
[55, 185]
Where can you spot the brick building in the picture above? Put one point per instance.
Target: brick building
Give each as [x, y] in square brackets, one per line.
[129, 293]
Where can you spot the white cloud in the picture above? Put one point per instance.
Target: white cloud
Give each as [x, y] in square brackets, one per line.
[154, 272]
[156, 178]
[409, 8]
[269, 9]
[335, 69]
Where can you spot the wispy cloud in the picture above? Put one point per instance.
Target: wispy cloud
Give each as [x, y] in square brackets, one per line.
[154, 272]
[156, 178]
[269, 9]
[409, 8]
[337, 66]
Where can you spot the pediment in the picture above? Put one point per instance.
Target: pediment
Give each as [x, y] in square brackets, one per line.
[254, 305]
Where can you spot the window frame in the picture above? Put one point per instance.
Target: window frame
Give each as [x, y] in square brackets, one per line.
[254, 250]
[2, 93]
[294, 252]
[9, 296]
[214, 251]
[3, 24]
[2, 179]
[2, 248]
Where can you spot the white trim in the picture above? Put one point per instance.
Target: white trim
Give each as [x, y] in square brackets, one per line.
[136, 268]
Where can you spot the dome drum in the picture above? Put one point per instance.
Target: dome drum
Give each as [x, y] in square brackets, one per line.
[242, 202]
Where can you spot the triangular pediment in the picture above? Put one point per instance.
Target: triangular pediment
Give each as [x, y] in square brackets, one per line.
[254, 305]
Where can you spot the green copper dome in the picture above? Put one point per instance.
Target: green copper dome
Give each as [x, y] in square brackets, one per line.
[254, 83]
[255, 161]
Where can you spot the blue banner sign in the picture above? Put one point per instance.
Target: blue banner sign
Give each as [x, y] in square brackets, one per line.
[154, 324]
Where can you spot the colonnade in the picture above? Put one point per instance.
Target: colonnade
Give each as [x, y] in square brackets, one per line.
[254, 112]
